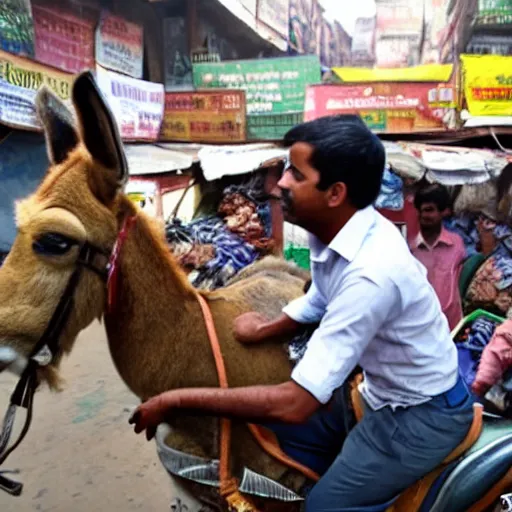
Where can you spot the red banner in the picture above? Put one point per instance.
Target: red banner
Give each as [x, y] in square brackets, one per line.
[391, 107]
[63, 40]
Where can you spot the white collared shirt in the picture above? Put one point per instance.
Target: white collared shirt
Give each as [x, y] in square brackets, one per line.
[378, 310]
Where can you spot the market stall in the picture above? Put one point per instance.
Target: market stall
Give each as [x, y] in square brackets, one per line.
[235, 221]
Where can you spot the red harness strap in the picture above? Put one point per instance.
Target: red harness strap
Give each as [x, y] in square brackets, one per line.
[113, 264]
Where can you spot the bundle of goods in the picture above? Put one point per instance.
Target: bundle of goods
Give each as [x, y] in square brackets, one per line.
[244, 217]
[391, 195]
[209, 251]
[215, 248]
[466, 225]
[491, 286]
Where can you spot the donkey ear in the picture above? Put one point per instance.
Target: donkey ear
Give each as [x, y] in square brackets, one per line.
[99, 130]
[58, 124]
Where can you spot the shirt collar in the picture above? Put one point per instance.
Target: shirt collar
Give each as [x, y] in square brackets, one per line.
[349, 239]
[443, 238]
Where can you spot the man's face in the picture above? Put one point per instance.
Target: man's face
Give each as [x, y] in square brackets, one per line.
[302, 202]
[430, 216]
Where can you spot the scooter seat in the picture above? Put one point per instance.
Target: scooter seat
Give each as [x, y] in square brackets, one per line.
[465, 482]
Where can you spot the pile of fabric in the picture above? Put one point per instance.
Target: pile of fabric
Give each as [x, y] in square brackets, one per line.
[247, 219]
[209, 251]
[391, 195]
[465, 225]
[491, 287]
[215, 248]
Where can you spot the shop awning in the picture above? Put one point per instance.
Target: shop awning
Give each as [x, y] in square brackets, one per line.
[153, 159]
[426, 73]
[219, 161]
[443, 164]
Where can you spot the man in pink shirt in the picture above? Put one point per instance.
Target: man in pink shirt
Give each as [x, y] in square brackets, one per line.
[441, 251]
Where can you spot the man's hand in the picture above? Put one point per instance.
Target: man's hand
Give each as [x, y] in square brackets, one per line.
[283, 403]
[480, 388]
[249, 328]
[151, 413]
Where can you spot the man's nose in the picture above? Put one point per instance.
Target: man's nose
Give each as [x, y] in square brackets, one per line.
[283, 182]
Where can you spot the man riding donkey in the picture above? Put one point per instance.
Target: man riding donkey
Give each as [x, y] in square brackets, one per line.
[376, 309]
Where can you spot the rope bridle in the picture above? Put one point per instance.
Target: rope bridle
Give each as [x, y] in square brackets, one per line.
[43, 354]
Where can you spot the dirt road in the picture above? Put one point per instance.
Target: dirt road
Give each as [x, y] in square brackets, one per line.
[81, 455]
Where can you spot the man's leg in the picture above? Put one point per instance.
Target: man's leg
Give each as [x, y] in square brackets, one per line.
[317, 442]
[388, 451]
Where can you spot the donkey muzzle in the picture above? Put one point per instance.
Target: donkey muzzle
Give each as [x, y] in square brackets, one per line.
[12, 361]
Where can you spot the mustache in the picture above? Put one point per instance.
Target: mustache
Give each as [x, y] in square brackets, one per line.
[285, 196]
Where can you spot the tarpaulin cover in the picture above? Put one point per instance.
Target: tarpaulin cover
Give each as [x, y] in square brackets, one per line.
[23, 163]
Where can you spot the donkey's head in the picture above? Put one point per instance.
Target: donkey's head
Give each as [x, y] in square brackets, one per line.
[78, 203]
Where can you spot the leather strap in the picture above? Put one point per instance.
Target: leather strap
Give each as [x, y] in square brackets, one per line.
[225, 429]
[228, 484]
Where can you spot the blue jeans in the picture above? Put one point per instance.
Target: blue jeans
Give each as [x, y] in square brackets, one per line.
[384, 454]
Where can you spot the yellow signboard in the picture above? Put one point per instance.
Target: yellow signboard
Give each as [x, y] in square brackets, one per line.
[31, 75]
[488, 84]
[19, 81]
[205, 116]
[426, 73]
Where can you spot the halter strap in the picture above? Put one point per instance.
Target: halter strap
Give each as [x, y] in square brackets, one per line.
[42, 355]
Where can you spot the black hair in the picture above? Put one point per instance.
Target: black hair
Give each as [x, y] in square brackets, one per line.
[345, 150]
[436, 193]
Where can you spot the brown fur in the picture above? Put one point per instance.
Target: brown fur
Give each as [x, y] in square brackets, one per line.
[156, 332]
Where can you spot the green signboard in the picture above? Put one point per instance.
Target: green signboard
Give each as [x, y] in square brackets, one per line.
[494, 12]
[16, 27]
[275, 89]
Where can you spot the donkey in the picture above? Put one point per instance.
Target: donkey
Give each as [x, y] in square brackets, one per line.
[156, 331]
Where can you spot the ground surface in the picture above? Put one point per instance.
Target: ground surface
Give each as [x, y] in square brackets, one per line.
[80, 454]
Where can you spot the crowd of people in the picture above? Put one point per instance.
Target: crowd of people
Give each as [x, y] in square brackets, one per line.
[443, 253]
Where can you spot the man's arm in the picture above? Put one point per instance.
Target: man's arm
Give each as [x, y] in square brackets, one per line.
[286, 403]
[255, 328]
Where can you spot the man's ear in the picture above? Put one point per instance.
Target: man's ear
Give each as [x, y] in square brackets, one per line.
[337, 194]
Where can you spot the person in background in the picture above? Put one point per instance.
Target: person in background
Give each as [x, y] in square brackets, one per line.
[439, 250]
[496, 360]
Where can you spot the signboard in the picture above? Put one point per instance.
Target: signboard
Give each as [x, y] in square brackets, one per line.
[494, 12]
[400, 18]
[138, 106]
[120, 45]
[301, 33]
[177, 65]
[16, 28]
[209, 116]
[19, 81]
[363, 42]
[275, 89]
[275, 14]
[488, 84]
[386, 107]
[63, 41]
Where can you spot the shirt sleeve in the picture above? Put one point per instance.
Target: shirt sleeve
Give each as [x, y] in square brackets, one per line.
[309, 308]
[353, 318]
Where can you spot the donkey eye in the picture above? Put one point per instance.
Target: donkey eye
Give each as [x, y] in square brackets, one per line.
[53, 244]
